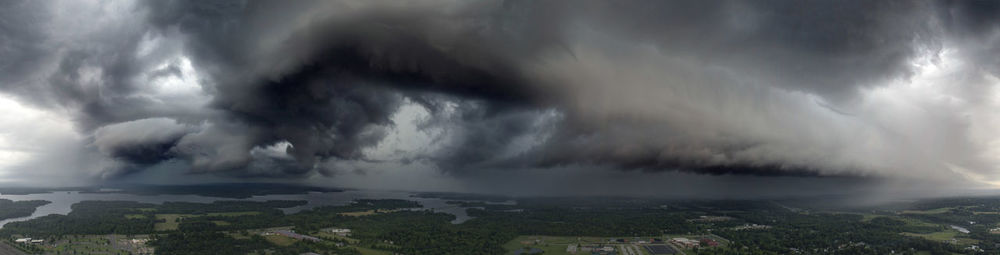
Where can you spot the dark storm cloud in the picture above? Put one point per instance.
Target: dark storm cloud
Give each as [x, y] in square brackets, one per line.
[711, 87]
[20, 37]
[141, 143]
[824, 47]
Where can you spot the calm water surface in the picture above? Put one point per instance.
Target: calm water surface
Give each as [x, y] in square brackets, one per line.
[61, 201]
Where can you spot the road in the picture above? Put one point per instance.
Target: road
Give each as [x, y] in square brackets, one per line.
[5, 249]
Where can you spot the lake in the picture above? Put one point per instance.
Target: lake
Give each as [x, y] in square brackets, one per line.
[61, 201]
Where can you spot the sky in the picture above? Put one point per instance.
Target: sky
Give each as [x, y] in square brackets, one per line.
[673, 98]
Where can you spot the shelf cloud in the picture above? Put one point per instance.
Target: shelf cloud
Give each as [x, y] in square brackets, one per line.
[275, 89]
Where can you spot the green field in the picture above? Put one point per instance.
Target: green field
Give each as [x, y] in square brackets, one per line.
[547, 248]
[931, 211]
[945, 236]
[135, 216]
[171, 221]
[280, 240]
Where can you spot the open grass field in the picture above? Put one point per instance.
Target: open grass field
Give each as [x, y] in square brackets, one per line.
[945, 236]
[135, 216]
[548, 244]
[357, 214]
[868, 217]
[171, 221]
[280, 240]
[910, 222]
[932, 211]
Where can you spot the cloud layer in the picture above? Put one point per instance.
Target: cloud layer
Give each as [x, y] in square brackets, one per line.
[882, 89]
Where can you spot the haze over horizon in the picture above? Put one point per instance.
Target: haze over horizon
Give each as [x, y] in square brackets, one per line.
[732, 99]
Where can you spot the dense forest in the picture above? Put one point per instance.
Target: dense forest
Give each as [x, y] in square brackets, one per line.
[11, 209]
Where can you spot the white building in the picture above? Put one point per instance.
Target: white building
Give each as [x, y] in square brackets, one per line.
[340, 231]
[684, 242]
[23, 240]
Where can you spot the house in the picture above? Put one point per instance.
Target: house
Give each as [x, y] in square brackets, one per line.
[23, 240]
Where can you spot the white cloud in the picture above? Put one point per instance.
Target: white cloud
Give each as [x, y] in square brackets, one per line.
[28, 135]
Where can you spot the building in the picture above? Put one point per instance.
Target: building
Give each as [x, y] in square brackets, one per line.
[340, 231]
[29, 241]
[684, 242]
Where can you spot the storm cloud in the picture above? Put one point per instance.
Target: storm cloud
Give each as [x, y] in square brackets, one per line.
[277, 89]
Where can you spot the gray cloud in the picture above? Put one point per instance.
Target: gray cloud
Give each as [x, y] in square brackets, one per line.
[288, 89]
[140, 143]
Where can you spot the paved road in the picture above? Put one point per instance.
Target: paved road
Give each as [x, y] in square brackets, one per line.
[7, 250]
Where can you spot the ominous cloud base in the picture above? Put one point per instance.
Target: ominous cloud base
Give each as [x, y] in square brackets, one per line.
[856, 89]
